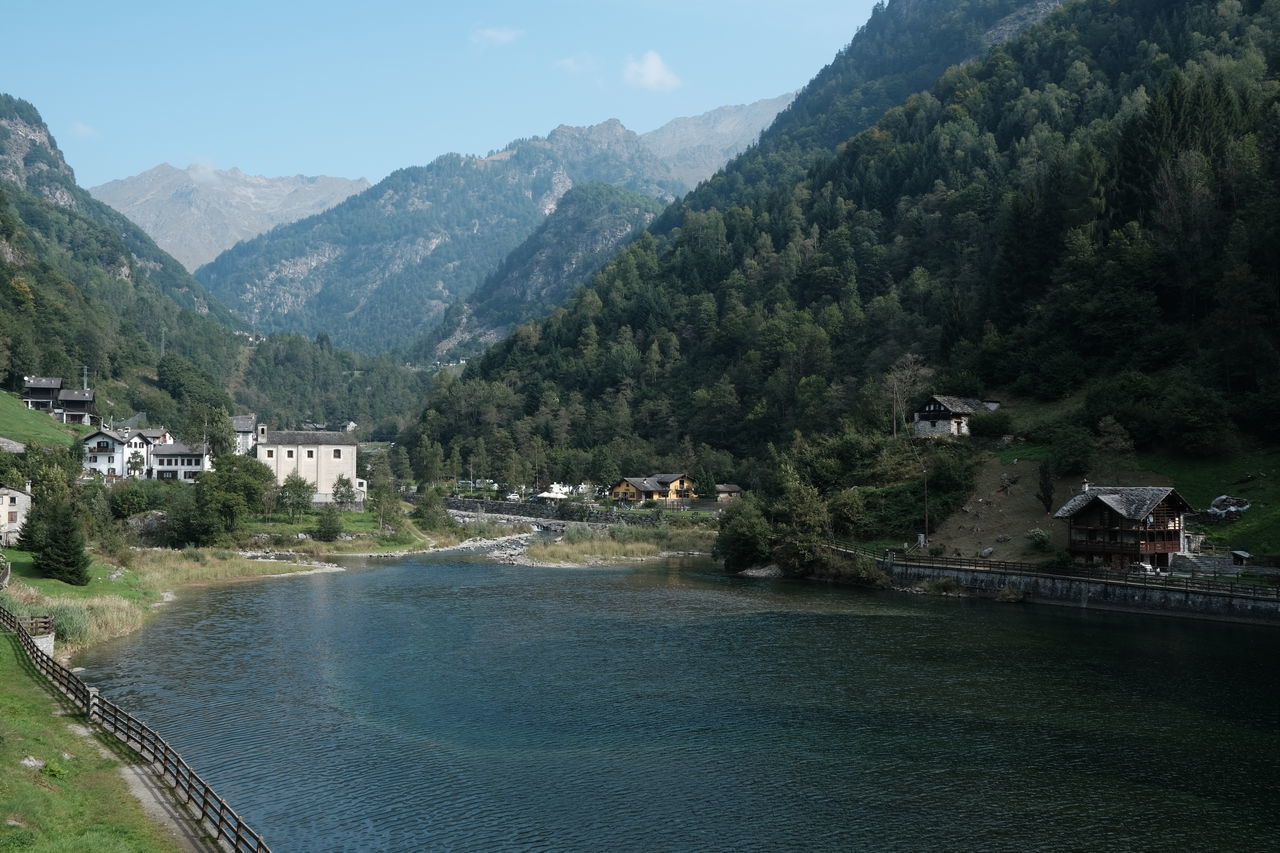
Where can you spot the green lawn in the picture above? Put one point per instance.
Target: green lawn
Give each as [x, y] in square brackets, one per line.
[19, 423]
[1253, 475]
[126, 583]
[77, 800]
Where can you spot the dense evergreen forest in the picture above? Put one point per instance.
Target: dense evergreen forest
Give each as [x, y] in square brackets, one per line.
[1088, 212]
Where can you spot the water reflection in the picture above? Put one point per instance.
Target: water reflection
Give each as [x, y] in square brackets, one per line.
[453, 703]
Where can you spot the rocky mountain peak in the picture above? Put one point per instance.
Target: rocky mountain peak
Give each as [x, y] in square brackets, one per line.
[29, 156]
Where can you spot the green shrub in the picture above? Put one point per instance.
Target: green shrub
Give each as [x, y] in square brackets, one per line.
[991, 424]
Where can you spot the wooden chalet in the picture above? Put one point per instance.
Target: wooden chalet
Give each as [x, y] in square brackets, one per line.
[41, 392]
[1123, 525]
[75, 406]
[666, 488]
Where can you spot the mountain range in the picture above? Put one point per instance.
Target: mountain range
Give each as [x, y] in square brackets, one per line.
[197, 213]
[378, 271]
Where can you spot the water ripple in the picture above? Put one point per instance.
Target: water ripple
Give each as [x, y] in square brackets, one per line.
[452, 704]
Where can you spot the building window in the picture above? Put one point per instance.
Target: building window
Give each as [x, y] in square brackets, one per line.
[189, 475]
[93, 459]
[311, 454]
[13, 500]
[288, 454]
[13, 518]
[271, 454]
[337, 453]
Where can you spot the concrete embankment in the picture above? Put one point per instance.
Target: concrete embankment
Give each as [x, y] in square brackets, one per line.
[1095, 594]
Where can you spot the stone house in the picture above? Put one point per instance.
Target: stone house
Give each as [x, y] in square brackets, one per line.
[943, 415]
[726, 492]
[246, 430]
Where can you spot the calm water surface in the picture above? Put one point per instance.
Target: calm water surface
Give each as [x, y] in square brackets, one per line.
[450, 703]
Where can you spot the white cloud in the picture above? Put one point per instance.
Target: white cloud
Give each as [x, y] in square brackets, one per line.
[581, 64]
[496, 36]
[650, 72]
[84, 131]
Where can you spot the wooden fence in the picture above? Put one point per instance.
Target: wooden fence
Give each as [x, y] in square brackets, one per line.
[1265, 592]
[213, 812]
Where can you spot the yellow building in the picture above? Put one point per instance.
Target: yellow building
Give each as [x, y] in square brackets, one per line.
[656, 487]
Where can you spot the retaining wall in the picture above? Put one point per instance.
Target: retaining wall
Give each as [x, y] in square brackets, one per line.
[1096, 594]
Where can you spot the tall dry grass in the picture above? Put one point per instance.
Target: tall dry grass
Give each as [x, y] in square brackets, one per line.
[584, 544]
[78, 622]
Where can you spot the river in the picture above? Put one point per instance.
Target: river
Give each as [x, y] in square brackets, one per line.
[447, 702]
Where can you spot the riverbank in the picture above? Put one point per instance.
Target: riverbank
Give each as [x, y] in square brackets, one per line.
[126, 587]
[63, 788]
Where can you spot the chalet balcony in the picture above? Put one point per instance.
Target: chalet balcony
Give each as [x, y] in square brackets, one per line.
[1087, 546]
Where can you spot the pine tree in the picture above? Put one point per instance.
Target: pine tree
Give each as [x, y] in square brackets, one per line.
[62, 556]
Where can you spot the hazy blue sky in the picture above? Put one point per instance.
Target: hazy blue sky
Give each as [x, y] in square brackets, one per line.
[360, 89]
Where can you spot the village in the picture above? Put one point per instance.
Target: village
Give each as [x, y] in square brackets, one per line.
[1138, 528]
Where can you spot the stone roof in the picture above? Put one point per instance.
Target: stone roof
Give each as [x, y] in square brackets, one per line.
[965, 405]
[1132, 502]
[307, 437]
[75, 394]
[654, 482]
[15, 489]
[244, 423]
[42, 381]
[728, 487]
[180, 449]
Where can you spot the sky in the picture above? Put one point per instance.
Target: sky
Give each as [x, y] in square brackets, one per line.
[361, 89]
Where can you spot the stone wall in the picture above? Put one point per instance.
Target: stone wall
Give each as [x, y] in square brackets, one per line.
[1095, 594]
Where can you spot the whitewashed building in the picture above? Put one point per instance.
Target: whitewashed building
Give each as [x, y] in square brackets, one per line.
[15, 505]
[124, 454]
[105, 453]
[181, 462]
[319, 457]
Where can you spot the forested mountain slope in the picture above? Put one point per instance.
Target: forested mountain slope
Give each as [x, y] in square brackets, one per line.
[589, 224]
[377, 270]
[80, 285]
[901, 50]
[1088, 210]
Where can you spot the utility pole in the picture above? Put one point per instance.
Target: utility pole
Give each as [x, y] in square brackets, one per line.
[84, 377]
[926, 505]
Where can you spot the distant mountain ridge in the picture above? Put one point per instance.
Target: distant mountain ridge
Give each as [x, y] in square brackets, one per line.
[696, 147]
[197, 213]
[376, 271]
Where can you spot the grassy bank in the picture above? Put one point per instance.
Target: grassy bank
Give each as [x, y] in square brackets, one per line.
[77, 800]
[118, 598]
[583, 544]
